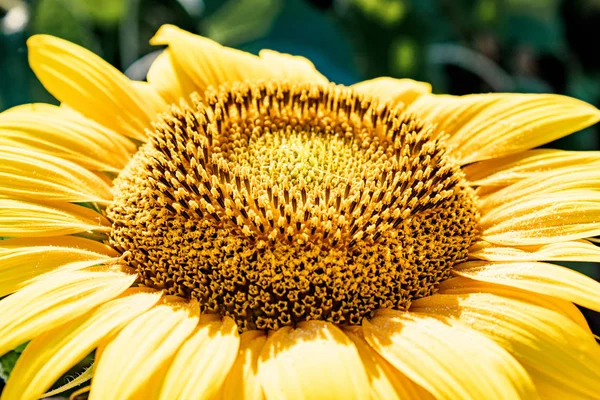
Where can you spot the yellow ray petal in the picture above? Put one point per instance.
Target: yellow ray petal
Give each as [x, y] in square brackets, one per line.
[51, 354]
[544, 278]
[61, 241]
[25, 219]
[153, 98]
[89, 85]
[393, 91]
[22, 264]
[495, 125]
[55, 300]
[507, 170]
[577, 250]
[168, 79]
[540, 339]
[585, 177]
[315, 360]
[242, 381]
[554, 217]
[82, 378]
[34, 175]
[65, 134]
[462, 285]
[386, 382]
[142, 347]
[206, 63]
[291, 68]
[203, 362]
[550, 389]
[452, 362]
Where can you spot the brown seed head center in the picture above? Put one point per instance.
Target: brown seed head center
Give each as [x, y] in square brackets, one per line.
[276, 203]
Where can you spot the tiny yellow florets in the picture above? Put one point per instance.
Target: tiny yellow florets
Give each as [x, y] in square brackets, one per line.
[276, 203]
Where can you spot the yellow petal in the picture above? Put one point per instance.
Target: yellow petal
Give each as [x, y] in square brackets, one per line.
[203, 362]
[65, 134]
[291, 68]
[548, 279]
[168, 79]
[507, 170]
[584, 177]
[149, 92]
[206, 63]
[577, 250]
[495, 125]
[146, 344]
[550, 389]
[84, 377]
[393, 91]
[452, 362]
[554, 217]
[25, 219]
[540, 339]
[54, 301]
[33, 175]
[315, 360]
[22, 264]
[242, 382]
[89, 85]
[54, 352]
[386, 382]
[462, 285]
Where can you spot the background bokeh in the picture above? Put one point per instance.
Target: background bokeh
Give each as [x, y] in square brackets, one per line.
[460, 46]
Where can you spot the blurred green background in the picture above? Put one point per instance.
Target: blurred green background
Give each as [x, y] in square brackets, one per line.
[460, 46]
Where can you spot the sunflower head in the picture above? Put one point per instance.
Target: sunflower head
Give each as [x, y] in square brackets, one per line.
[239, 227]
[275, 203]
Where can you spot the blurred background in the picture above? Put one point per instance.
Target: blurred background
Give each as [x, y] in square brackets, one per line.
[460, 46]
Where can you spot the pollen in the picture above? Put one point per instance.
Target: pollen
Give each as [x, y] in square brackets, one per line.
[275, 203]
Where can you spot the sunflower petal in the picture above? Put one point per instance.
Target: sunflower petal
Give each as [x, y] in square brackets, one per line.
[55, 300]
[22, 264]
[315, 360]
[33, 175]
[51, 354]
[498, 124]
[577, 250]
[65, 134]
[548, 388]
[242, 382]
[25, 219]
[291, 68]
[149, 92]
[548, 279]
[203, 362]
[393, 91]
[89, 85]
[206, 63]
[560, 180]
[452, 362]
[510, 169]
[543, 341]
[168, 79]
[127, 363]
[554, 217]
[462, 285]
[386, 382]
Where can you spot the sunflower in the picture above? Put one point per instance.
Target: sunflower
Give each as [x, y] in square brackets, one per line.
[239, 227]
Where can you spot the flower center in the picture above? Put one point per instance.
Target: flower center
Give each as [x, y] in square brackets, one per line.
[275, 203]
